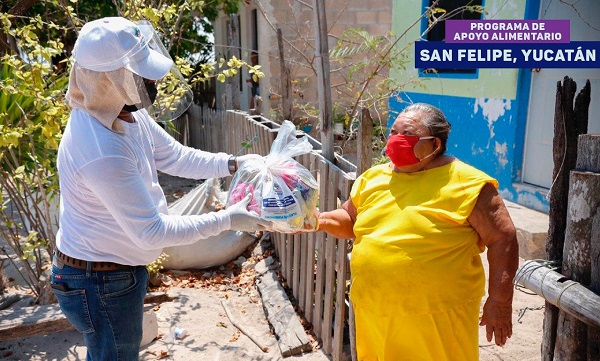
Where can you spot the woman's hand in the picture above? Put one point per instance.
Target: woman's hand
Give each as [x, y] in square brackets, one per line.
[497, 319]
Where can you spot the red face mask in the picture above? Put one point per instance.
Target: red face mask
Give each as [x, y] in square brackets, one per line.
[401, 149]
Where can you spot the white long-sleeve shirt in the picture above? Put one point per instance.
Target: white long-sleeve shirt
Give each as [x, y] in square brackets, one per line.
[112, 207]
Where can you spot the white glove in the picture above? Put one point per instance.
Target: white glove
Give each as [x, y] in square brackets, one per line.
[248, 157]
[244, 220]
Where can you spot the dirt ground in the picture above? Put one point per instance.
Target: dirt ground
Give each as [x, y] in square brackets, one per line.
[212, 336]
[528, 319]
[210, 333]
[197, 308]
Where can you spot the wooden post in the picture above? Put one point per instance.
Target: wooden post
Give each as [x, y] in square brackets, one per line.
[584, 201]
[588, 159]
[286, 83]
[323, 79]
[571, 334]
[593, 349]
[588, 153]
[566, 129]
[195, 113]
[352, 326]
[365, 142]
[228, 96]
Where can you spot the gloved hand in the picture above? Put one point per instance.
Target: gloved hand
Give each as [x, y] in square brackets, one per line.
[244, 220]
[248, 157]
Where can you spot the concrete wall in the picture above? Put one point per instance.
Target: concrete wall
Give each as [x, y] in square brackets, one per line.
[296, 22]
[295, 19]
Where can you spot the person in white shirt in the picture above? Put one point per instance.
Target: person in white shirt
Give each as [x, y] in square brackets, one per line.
[113, 213]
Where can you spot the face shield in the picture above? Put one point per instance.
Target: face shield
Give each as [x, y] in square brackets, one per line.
[173, 95]
[110, 48]
[167, 97]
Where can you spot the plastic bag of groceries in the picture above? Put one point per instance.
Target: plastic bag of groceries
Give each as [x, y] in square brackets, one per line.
[283, 190]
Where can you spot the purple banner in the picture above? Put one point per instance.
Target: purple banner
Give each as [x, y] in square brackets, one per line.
[508, 31]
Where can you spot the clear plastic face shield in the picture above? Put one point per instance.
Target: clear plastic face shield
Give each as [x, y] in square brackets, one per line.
[167, 98]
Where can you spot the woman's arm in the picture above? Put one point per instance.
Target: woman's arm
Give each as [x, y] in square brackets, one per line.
[491, 220]
[340, 222]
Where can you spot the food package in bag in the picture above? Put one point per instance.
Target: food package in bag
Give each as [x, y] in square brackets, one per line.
[283, 190]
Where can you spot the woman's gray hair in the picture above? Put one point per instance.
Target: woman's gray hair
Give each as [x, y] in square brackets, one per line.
[433, 119]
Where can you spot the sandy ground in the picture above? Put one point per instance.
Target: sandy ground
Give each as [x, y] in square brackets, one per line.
[528, 318]
[212, 336]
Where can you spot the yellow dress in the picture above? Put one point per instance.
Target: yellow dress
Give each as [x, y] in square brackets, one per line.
[417, 277]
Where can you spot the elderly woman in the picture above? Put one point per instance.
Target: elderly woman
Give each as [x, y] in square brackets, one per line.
[420, 224]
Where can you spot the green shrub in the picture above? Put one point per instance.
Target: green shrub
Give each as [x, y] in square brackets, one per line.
[32, 115]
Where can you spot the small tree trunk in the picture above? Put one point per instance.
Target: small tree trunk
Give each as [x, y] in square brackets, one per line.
[3, 278]
[286, 83]
[8, 43]
[21, 7]
[323, 80]
[365, 142]
[233, 39]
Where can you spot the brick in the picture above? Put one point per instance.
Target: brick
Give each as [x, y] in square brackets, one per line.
[366, 17]
[384, 17]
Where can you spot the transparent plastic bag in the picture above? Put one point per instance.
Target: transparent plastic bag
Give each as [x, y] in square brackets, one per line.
[283, 190]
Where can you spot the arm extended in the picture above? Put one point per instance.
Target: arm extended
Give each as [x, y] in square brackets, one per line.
[491, 220]
[340, 222]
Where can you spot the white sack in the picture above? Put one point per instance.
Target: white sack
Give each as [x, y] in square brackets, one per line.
[212, 251]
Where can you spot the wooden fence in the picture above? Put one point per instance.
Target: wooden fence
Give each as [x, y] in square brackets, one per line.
[314, 265]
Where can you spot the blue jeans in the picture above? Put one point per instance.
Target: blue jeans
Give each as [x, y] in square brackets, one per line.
[107, 307]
